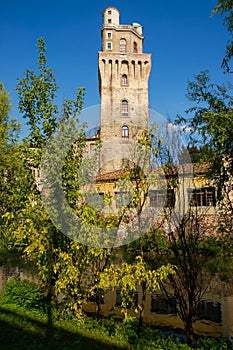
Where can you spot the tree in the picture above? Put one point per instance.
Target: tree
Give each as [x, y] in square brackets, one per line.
[186, 242]
[15, 179]
[225, 8]
[210, 126]
[128, 277]
[79, 271]
[193, 248]
[36, 99]
[64, 265]
[140, 175]
[187, 236]
[40, 241]
[210, 122]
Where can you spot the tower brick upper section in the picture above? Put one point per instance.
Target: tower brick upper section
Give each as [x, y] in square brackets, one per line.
[123, 82]
[118, 37]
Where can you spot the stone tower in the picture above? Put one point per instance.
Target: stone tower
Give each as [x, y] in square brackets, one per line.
[123, 83]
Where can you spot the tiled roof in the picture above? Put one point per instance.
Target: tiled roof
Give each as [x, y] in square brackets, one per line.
[181, 169]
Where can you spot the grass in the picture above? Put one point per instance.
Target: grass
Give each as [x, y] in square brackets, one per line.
[24, 326]
[22, 329]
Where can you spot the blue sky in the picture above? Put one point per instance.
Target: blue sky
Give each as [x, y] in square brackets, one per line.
[181, 35]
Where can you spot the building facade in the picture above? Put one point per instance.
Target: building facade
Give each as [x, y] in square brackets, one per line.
[124, 71]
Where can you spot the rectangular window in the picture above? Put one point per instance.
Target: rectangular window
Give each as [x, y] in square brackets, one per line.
[157, 198]
[133, 296]
[109, 20]
[109, 12]
[125, 131]
[124, 107]
[162, 198]
[109, 46]
[123, 45]
[95, 299]
[109, 35]
[122, 199]
[202, 197]
[118, 297]
[96, 200]
[163, 305]
[209, 310]
[124, 80]
[123, 48]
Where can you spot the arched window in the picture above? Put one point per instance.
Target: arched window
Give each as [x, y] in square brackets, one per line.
[135, 47]
[124, 79]
[122, 45]
[124, 107]
[125, 131]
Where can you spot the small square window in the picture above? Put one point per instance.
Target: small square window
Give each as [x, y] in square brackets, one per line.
[123, 198]
[209, 310]
[109, 12]
[109, 20]
[96, 200]
[162, 304]
[109, 46]
[162, 198]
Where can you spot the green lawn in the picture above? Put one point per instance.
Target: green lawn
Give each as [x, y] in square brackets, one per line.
[24, 326]
[21, 329]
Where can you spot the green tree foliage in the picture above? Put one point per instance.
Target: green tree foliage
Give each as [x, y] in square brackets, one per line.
[79, 271]
[193, 251]
[189, 244]
[195, 255]
[40, 240]
[210, 125]
[36, 99]
[65, 267]
[225, 8]
[128, 277]
[15, 179]
[211, 114]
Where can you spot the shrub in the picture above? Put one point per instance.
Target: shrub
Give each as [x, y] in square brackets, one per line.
[24, 294]
[213, 344]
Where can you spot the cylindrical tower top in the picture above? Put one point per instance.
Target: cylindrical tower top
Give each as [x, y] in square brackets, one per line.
[111, 16]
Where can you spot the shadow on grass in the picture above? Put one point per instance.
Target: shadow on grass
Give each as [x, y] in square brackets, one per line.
[19, 332]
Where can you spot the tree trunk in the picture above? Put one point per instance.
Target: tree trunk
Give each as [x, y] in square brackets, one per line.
[189, 331]
[98, 308]
[141, 311]
[77, 307]
[49, 328]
